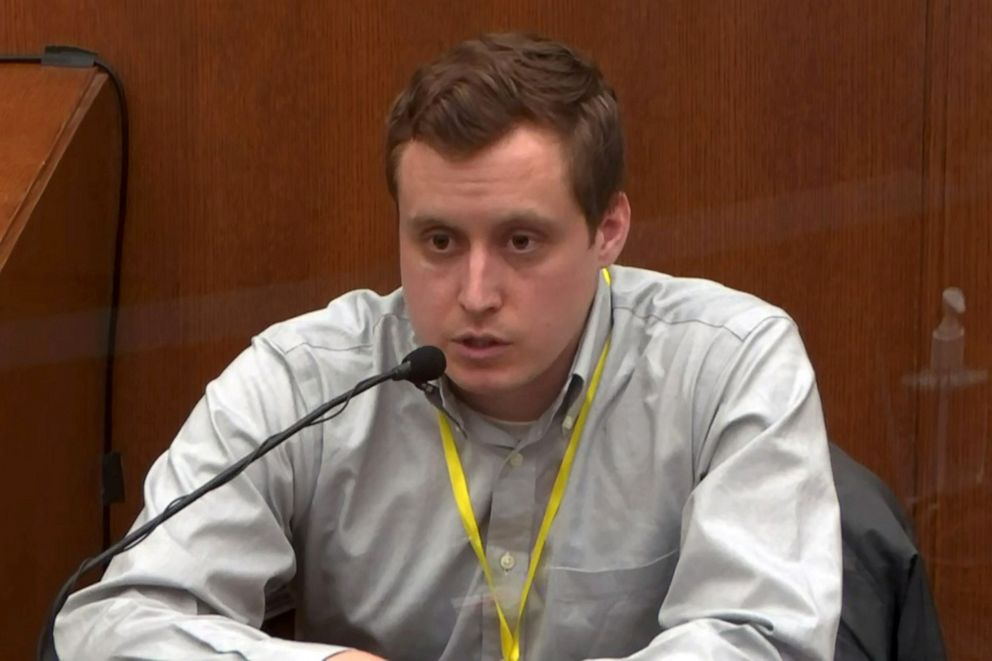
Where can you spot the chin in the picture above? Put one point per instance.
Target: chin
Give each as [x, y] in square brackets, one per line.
[482, 382]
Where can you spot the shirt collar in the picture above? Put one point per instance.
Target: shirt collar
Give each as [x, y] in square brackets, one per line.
[598, 326]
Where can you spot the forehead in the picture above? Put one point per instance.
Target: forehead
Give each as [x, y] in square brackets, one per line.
[525, 167]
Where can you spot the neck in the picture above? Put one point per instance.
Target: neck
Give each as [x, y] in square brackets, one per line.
[519, 406]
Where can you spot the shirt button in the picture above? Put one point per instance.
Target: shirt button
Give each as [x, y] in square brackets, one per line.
[516, 459]
[507, 561]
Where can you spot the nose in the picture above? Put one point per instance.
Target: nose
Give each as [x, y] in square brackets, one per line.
[480, 290]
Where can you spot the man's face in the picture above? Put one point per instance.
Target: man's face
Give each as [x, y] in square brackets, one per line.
[497, 265]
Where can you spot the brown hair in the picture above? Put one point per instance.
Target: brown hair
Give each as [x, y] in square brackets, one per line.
[477, 92]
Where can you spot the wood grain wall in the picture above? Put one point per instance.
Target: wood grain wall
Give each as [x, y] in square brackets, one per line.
[830, 157]
[955, 489]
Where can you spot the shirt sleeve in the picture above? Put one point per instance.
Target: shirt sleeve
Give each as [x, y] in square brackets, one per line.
[197, 586]
[759, 574]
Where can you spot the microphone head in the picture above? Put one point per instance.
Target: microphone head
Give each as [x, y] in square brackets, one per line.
[422, 364]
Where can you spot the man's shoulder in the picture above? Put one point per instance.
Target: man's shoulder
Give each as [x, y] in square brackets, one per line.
[689, 303]
[357, 319]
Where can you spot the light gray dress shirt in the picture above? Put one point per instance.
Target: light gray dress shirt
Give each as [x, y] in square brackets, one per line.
[700, 520]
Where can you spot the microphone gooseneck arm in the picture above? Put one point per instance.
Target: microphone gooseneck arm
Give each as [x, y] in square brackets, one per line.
[422, 364]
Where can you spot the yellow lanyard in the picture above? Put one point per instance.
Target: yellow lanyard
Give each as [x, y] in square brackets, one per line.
[510, 641]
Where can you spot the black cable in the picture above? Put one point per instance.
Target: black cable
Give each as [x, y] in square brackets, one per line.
[264, 448]
[70, 56]
[115, 291]
[46, 642]
[354, 391]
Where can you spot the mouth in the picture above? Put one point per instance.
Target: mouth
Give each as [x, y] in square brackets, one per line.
[480, 346]
[479, 341]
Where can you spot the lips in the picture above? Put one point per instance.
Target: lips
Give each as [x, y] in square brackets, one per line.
[480, 346]
[479, 341]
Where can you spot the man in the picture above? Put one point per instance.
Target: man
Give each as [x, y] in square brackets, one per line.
[617, 464]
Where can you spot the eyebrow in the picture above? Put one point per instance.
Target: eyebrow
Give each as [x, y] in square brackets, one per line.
[422, 222]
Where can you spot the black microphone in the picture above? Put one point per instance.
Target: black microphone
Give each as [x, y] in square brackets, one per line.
[420, 365]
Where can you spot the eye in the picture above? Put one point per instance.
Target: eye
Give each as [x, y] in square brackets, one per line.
[439, 242]
[522, 242]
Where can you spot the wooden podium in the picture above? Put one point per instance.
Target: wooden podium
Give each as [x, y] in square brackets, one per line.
[60, 169]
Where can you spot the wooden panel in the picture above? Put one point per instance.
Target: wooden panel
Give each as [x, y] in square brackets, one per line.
[955, 422]
[28, 139]
[55, 292]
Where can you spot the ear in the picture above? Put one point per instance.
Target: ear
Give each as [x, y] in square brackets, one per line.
[611, 235]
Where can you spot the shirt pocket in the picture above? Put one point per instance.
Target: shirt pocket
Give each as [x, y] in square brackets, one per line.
[608, 612]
